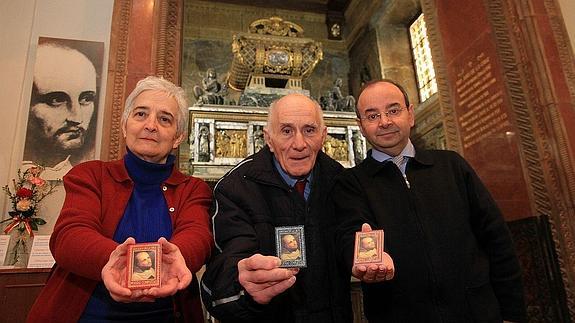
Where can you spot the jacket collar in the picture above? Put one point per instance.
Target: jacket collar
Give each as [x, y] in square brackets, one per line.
[262, 168]
[118, 172]
[422, 158]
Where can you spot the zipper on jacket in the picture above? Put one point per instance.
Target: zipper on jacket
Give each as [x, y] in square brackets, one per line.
[406, 181]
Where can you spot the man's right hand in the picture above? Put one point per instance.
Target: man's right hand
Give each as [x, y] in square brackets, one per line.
[375, 272]
[262, 278]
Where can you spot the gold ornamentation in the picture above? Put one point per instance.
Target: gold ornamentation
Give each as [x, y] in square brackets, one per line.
[336, 148]
[276, 26]
[335, 30]
[231, 144]
[272, 48]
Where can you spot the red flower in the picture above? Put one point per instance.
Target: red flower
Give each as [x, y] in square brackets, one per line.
[24, 192]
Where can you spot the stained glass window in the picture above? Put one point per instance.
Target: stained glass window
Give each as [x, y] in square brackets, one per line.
[422, 56]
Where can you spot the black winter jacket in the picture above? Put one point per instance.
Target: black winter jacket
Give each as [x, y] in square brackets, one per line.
[251, 200]
[452, 251]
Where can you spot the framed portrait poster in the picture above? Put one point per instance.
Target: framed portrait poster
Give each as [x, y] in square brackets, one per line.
[63, 113]
[62, 119]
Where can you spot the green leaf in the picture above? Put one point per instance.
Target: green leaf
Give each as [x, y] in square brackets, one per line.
[39, 221]
[34, 226]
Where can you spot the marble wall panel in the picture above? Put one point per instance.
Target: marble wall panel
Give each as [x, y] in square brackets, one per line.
[334, 65]
[482, 106]
[364, 57]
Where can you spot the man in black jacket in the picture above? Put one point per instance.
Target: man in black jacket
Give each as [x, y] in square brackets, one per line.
[452, 251]
[243, 281]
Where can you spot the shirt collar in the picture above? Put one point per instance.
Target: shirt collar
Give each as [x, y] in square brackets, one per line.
[290, 181]
[408, 151]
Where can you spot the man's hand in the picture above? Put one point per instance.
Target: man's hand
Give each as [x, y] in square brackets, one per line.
[114, 276]
[262, 278]
[175, 274]
[376, 272]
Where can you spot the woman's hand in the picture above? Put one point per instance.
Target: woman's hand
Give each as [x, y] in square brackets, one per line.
[114, 276]
[175, 275]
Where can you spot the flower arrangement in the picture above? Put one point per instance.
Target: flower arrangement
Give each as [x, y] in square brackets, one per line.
[29, 190]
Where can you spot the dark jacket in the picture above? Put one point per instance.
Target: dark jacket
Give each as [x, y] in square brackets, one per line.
[452, 251]
[251, 200]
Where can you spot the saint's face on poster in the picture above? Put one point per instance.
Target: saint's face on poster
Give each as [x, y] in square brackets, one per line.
[62, 119]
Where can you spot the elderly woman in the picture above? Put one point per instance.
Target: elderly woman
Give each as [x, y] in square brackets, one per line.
[141, 198]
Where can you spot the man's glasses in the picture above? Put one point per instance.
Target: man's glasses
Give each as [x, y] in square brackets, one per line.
[391, 113]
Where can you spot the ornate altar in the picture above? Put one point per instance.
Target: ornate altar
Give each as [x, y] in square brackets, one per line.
[221, 136]
[270, 61]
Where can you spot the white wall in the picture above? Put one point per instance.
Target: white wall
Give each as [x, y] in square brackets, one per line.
[22, 23]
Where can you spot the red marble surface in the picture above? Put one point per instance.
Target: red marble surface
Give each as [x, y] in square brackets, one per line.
[466, 34]
[140, 43]
[560, 98]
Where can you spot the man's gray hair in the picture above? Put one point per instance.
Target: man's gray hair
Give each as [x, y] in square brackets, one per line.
[271, 111]
[160, 84]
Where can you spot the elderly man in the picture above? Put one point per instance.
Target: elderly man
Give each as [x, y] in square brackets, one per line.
[452, 250]
[244, 281]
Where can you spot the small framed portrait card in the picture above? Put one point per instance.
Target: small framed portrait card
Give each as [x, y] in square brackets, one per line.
[144, 265]
[368, 247]
[290, 246]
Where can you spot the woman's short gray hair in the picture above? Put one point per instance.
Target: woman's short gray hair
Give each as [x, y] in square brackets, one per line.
[160, 84]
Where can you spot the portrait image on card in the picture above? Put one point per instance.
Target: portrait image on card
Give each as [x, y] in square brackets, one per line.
[144, 265]
[368, 247]
[290, 246]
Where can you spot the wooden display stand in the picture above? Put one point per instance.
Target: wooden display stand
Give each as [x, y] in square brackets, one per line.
[18, 291]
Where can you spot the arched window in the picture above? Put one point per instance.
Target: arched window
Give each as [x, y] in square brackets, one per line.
[426, 83]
